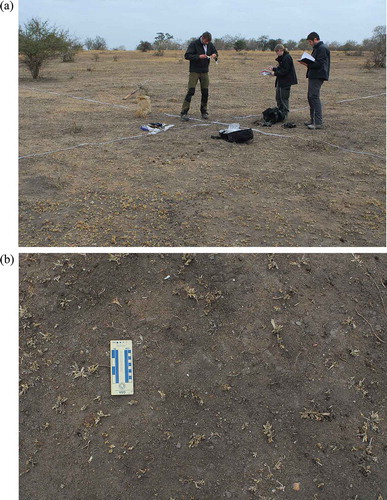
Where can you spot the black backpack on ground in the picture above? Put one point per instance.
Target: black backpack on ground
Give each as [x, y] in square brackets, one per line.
[273, 115]
[242, 135]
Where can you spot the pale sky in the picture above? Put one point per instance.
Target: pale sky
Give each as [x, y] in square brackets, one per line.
[127, 22]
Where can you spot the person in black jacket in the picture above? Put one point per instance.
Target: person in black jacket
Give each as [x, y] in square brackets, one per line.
[317, 73]
[199, 54]
[285, 77]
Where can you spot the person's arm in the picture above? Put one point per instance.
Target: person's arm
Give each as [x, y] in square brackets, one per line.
[191, 53]
[284, 68]
[214, 53]
[320, 58]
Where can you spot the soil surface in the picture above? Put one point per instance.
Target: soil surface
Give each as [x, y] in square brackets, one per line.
[256, 376]
[107, 183]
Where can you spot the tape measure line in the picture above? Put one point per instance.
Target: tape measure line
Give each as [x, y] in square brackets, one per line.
[36, 155]
[357, 98]
[191, 119]
[353, 151]
[78, 98]
[227, 124]
[166, 114]
[84, 144]
[288, 136]
[270, 133]
[54, 151]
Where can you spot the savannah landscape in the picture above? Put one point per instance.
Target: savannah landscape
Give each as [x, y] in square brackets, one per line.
[104, 182]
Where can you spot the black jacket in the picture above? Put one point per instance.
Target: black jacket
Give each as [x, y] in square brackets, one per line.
[321, 66]
[285, 71]
[193, 52]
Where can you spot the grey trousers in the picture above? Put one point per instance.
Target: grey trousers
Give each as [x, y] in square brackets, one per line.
[314, 87]
[282, 97]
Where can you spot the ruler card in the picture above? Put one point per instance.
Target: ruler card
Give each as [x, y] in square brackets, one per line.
[121, 364]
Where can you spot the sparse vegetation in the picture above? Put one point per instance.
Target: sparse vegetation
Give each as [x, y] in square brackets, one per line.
[195, 440]
[240, 45]
[144, 46]
[69, 55]
[377, 45]
[97, 43]
[268, 432]
[229, 409]
[39, 42]
[162, 42]
[185, 202]
[59, 405]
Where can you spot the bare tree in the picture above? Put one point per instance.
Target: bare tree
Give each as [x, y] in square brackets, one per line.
[162, 42]
[291, 44]
[377, 45]
[98, 43]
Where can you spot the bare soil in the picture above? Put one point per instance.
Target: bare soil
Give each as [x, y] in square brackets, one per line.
[256, 376]
[182, 188]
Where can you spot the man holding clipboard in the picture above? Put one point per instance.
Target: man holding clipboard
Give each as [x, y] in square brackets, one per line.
[318, 65]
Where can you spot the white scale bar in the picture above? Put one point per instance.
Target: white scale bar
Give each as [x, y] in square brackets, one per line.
[121, 367]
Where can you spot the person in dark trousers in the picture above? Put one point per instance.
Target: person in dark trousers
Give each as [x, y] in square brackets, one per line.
[199, 54]
[285, 77]
[317, 73]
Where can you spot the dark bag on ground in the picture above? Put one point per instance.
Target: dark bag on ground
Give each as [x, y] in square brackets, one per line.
[273, 115]
[242, 135]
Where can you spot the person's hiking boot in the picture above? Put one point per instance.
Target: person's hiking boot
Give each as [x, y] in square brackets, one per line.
[205, 116]
[308, 123]
[184, 117]
[314, 127]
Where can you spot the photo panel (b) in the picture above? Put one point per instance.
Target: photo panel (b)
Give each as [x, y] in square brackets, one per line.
[251, 373]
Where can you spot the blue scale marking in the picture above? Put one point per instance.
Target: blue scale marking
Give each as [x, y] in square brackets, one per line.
[115, 369]
[128, 364]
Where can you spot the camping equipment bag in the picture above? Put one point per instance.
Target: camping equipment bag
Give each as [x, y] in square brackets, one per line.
[273, 115]
[242, 135]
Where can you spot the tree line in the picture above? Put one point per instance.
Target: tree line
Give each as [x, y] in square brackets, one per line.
[39, 42]
[238, 43]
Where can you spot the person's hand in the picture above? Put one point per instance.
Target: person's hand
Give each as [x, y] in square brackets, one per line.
[304, 64]
[203, 56]
[213, 56]
[270, 68]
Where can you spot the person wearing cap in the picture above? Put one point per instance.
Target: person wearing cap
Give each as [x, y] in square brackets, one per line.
[199, 54]
[317, 73]
[285, 74]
